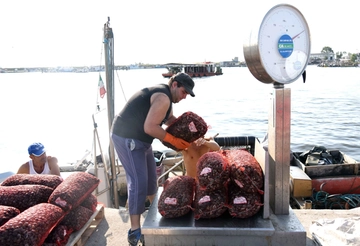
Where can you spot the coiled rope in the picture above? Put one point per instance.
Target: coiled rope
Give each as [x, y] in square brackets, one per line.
[323, 199]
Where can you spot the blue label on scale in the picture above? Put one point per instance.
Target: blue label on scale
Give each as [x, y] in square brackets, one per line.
[285, 46]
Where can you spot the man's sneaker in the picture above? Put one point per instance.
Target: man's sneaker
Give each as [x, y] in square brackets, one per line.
[142, 240]
[135, 237]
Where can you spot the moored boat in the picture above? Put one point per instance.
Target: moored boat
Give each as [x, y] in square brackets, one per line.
[329, 180]
[201, 69]
[337, 184]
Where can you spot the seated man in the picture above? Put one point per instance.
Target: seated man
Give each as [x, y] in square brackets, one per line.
[39, 163]
[192, 154]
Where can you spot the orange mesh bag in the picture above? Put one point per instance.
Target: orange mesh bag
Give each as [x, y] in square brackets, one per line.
[189, 127]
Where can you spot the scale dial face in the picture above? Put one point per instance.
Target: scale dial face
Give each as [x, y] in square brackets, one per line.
[282, 48]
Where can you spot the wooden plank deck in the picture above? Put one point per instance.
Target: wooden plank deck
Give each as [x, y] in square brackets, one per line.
[80, 237]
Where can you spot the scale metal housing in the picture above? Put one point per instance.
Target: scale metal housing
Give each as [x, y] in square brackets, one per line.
[278, 50]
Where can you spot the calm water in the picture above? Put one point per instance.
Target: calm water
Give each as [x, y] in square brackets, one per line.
[56, 109]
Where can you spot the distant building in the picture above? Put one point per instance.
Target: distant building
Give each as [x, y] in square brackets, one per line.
[322, 56]
[233, 63]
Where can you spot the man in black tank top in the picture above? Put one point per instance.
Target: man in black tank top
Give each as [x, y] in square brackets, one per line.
[132, 132]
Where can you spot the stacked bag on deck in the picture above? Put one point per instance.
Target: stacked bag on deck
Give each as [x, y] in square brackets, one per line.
[177, 196]
[45, 209]
[229, 179]
[211, 193]
[246, 182]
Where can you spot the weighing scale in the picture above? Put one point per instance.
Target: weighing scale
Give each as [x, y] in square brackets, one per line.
[278, 54]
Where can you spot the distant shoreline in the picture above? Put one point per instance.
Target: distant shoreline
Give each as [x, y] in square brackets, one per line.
[88, 69]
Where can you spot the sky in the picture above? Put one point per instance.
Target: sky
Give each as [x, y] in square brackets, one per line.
[43, 33]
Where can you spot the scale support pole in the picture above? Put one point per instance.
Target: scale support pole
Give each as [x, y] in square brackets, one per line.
[279, 149]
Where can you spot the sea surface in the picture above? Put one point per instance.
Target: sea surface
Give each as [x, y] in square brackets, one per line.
[57, 108]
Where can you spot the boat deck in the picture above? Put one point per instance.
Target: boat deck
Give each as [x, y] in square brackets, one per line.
[80, 237]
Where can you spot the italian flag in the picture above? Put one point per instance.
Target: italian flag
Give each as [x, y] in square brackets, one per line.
[101, 87]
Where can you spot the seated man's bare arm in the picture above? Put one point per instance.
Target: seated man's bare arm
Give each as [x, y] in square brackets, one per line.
[24, 168]
[53, 165]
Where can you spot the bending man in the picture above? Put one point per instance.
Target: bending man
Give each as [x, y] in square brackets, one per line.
[133, 131]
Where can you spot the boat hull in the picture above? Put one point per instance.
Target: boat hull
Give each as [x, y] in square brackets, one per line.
[192, 75]
[337, 185]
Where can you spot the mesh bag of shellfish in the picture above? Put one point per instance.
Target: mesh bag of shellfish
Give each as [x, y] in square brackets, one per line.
[58, 236]
[188, 126]
[90, 202]
[212, 171]
[6, 213]
[24, 196]
[245, 170]
[242, 204]
[41, 179]
[77, 218]
[74, 190]
[32, 226]
[177, 196]
[210, 204]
